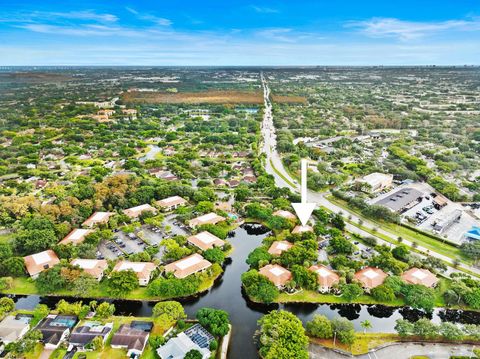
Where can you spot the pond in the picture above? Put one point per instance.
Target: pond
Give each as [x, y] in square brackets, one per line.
[227, 294]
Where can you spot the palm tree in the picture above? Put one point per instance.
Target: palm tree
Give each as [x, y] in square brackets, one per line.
[366, 325]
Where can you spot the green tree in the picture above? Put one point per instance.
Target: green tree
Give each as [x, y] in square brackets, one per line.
[259, 254]
[403, 327]
[424, 328]
[451, 331]
[104, 310]
[320, 327]
[344, 329]
[351, 291]
[216, 321]
[383, 293]
[366, 324]
[258, 287]
[282, 336]
[121, 283]
[193, 354]
[214, 255]
[419, 297]
[170, 310]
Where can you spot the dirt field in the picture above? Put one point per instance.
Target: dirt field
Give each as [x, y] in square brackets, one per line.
[211, 97]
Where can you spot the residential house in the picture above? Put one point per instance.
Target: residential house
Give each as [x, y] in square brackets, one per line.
[189, 265]
[370, 277]
[95, 267]
[135, 212]
[76, 236]
[194, 338]
[276, 274]
[131, 337]
[326, 277]
[285, 214]
[171, 203]
[205, 240]
[55, 329]
[84, 334]
[97, 218]
[420, 276]
[143, 270]
[38, 262]
[278, 247]
[209, 218]
[302, 229]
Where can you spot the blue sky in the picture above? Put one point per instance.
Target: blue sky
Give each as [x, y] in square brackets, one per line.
[204, 32]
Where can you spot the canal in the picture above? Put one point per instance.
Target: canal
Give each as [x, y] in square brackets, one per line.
[227, 294]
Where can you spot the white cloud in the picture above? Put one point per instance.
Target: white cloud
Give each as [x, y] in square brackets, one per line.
[409, 30]
[264, 10]
[161, 21]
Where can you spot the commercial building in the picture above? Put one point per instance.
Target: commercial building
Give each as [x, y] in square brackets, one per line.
[377, 181]
[209, 218]
[370, 277]
[97, 218]
[278, 247]
[135, 212]
[442, 224]
[38, 262]
[95, 267]
[276, 274]
[420, 276]
[326, 277]
[76, 236]
[171, 203]
[189, 265]
[143, 270]
[401, 200]
[205, 240]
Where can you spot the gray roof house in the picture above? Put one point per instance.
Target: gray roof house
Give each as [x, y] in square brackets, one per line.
[83, 334]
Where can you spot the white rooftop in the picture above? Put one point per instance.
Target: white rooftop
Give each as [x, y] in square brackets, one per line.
[85, 263]
[78, 233]
[172, 199]
[206, 237]
[419, 274]
[370, 274]
[141, 207]
[42, 257]
[98, 216]
[282, 246]
[136, 267]
[184, 264]
[207, 217]
[322, 272]
[277, 271]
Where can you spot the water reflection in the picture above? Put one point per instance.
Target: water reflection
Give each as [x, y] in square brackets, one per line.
[227, 294]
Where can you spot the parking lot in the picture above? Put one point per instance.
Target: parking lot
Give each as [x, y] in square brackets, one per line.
[176, 228]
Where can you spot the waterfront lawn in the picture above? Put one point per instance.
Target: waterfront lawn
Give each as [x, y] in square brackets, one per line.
[362, 344]
[310, 296]
[26, 286]
[58, 353]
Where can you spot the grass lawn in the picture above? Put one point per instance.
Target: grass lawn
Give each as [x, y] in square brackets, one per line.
[58, 353]
[281, 175]
[363, 342]
[36, 352]
[26, 286]
[310, 296]
[5, 238]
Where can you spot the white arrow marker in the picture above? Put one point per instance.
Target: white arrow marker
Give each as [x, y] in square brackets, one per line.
[304, 210]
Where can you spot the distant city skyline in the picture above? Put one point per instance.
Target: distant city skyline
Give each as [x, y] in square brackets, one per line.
[239, 33]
